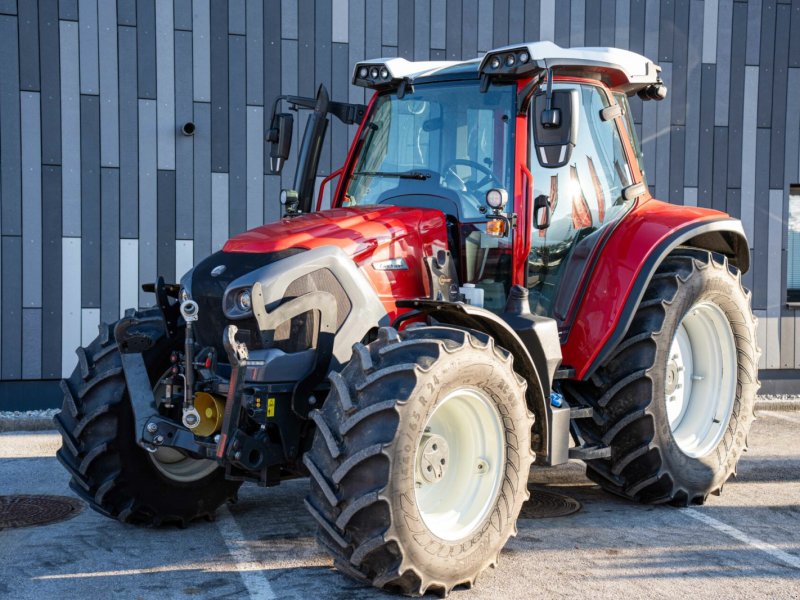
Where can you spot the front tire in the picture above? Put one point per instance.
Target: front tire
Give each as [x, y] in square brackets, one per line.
[115, 476]
[675, 401]
[420, 463]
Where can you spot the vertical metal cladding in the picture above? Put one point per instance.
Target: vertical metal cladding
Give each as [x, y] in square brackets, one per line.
[109, 193]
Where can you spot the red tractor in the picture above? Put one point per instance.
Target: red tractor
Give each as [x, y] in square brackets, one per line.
[493, 287]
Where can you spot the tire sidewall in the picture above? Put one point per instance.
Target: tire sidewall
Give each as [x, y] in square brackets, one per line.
[714, 283]
[459, 558]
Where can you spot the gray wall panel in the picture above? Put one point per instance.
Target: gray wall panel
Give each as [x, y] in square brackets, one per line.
[148, 200]
[50, 82]
[591, 34]
[165, 85]
[532, 13]
[438, 24]
[723, 60]
[500, 22]
[166, 227]
[562, 27]
[339, 21]
[662, 145]
[622, 26]
[753, 31]
[705, 161]
[736, 100]
[183, 15]
[255, 52]
[791, 170]
[761, 220]
[322, 71]
[577, 19]
[31, 343]
[10, 169]
[219, 86]
[202, 181]
[469, 28]
[201, 48]
[28, 21]
[693, 86]
[51, 271]
[31, 201]
[90, 70]
[305, 50]
[70, 130]
[184, 144]
[608, 27]
[238, 136]
[484, 26]
[126, 12]
[109, 240]
[67, 10]
[146, 47]
[680, 52]
[780, 78]
[794, 36]
[405, 31]
[720, 172]
[766, 63]
[10, 276]
[90, 201]
[289, 19]
[109, 85]
[128, 134]
[422, 28]
[388, 22]
[237, 18]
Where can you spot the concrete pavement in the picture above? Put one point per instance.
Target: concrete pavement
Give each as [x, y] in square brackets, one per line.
[743, 544]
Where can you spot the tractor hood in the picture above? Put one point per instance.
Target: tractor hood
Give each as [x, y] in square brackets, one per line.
[358, 231]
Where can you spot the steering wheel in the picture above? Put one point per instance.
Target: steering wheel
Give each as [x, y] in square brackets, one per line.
[473, 184]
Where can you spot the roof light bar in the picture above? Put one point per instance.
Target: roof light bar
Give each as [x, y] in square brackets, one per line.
[381, 73]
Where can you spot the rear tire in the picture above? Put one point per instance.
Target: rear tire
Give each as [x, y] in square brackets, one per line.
[115, 476]
[378, 431]
[676, 427]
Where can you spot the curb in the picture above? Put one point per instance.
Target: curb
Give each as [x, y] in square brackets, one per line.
[27, 422]
[44, 422]
[778, 405]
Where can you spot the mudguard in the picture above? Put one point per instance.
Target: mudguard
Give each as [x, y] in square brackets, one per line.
[607, 299]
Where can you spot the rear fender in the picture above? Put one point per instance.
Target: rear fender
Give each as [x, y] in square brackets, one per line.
[627, 263]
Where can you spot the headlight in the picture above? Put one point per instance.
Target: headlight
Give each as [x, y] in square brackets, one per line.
[244, 302]
[496, 198]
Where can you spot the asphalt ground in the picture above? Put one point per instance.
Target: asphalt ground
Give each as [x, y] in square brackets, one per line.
[742, 544]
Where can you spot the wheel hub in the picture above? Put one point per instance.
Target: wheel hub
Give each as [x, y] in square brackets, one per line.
[432, 458]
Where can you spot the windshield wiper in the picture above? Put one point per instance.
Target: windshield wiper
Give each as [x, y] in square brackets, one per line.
[402, 175]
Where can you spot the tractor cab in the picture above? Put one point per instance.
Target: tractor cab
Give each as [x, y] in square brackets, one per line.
[529, 152]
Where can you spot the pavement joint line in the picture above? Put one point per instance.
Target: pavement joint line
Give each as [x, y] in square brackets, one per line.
[250, 570]
[730, 531]
[781, 416]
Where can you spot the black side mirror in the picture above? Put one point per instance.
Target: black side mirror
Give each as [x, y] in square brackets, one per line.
[280, 136]
[541, 212]
[555, 126]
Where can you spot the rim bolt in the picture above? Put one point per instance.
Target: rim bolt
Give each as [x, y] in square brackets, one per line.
[159, 439]
[152, 428]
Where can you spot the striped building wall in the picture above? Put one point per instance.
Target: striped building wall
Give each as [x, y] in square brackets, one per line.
[100, 191]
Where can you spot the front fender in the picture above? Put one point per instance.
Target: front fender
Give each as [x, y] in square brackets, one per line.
[626, 263]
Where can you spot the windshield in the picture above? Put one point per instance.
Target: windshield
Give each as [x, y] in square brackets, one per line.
[442, 146]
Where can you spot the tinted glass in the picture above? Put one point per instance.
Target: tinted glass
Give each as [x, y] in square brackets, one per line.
[584, 196]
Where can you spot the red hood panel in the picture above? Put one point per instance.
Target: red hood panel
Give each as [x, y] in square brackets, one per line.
[356, 230]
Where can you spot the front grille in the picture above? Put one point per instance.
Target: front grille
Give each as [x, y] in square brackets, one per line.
[207, 291]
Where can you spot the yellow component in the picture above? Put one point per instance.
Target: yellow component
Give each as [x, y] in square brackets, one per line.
[496, 228]
[270, 407]
[211, 411]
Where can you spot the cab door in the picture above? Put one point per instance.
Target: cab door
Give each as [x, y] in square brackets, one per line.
[584, 196]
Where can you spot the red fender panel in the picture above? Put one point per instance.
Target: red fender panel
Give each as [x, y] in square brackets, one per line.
[624, 266]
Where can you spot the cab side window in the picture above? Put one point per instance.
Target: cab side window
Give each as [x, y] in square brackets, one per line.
[584, 196]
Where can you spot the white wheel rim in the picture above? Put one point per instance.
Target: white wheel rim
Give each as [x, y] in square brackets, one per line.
[455, 498]
[700, 382]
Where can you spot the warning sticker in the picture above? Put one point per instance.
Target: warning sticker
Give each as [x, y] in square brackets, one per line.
[270, 407]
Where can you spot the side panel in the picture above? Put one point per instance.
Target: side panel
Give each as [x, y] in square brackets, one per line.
[625, 265]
